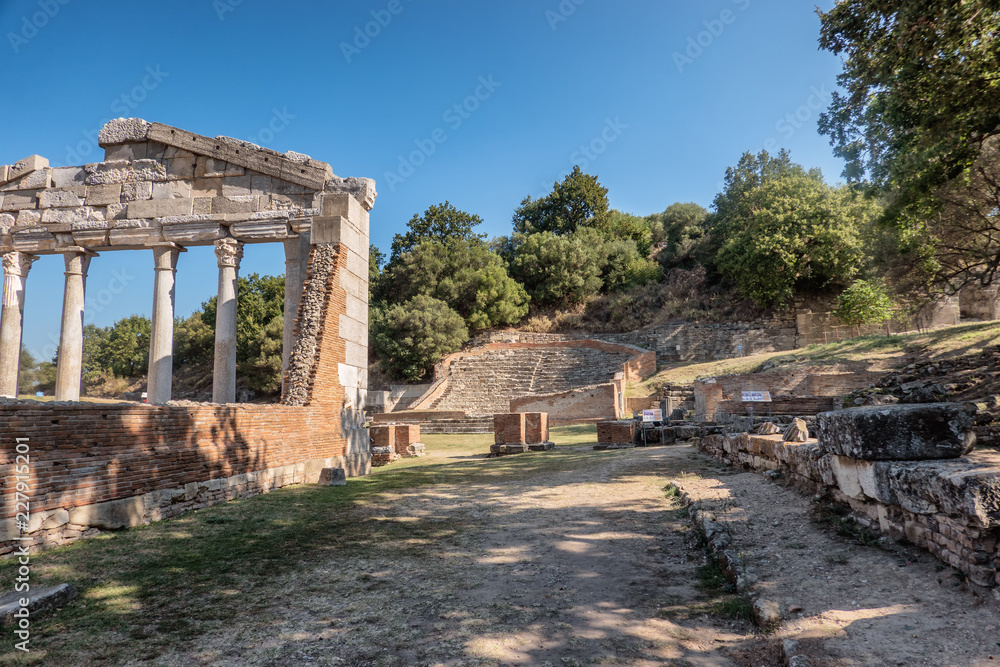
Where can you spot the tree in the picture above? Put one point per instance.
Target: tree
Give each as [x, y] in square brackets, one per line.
[376, 259]
[465, 274]
[964, 232]
[619, 226]
[922, 82]
[559, 270]
[442, 223]
[27, 376]
[260, 300]
[787, 232]
[194, 341]
[679, 228]
[864, 302]
[122, 349]
[578, 200]
[411, 337]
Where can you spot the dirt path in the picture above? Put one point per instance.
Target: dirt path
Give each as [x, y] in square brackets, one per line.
[855, 604]
[579, 557]
[556, 567]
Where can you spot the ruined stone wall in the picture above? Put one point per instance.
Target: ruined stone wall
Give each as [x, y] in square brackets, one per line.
[948, 507]
[586, 403]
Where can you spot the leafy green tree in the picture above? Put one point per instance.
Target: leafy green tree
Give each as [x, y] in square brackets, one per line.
[27, 376]
[792, 232]
[624, 267]
[259, 299]
[123, 349]
[463, 273]
[411, 337]
[619, 226]
[680, 228]
[194, 341]
[922, 93]
[442, 223]
[95, 341]
[864, 302]
[578, 200]
[261, 368]
[559, 270]
[376, 260]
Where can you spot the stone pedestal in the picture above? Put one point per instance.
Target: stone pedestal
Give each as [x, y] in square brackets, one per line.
[229, 253]
[15, 272]
[69, 371]
[161, 340]
[519, 432]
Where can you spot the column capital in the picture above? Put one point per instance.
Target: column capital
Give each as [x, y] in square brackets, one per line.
[229, 252]
[165, 256]
[16, 263]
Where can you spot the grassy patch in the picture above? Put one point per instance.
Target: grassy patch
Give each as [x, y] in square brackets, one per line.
[162, 586]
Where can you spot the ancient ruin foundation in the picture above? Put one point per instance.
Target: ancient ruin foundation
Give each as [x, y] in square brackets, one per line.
[161, 190]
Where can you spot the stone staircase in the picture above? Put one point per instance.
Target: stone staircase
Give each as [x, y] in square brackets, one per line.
[458, 426]
[484, 383]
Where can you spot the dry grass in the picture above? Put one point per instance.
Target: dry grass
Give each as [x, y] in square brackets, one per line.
[874, 353]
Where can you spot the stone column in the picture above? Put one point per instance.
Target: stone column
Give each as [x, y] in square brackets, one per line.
[296, 265]
[15, 273]
[229, 251]
[161, 339]
[69, 370]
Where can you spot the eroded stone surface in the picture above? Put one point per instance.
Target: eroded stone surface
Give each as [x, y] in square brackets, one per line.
[899, 432]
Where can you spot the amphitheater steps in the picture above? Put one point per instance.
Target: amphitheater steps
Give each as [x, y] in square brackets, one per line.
[485, 383]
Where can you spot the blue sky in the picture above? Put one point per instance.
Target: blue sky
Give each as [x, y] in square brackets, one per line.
[476, 103]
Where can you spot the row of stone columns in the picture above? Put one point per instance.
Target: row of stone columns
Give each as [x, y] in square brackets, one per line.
[69, 371]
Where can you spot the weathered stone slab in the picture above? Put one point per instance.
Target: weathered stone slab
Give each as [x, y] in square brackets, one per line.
[112, 515]
[123, 130]
[332, 477]
[898, 432]
[40, 601]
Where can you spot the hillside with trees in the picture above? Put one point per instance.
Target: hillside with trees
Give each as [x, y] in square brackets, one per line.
[917, 123]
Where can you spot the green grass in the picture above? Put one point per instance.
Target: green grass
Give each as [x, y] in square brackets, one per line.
[163, 585]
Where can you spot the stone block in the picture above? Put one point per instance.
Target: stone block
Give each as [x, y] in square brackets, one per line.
[514, 448]
[236, 186]
[60, 198]
[16, 201]
[123, 130]
[180, 167]
[40, 601]
[111, 515]
[140, 191]
[26, 166]
[244, 205]
[65, 177]
[159, 208]
[174, 189]
[4, 170]
[333, 477]
[127, 151]
[104, 194]
[207, 167]
[874, 479]
[899, 432]
[845, 470]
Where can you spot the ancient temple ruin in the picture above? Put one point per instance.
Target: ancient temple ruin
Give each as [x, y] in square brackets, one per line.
[161, 190]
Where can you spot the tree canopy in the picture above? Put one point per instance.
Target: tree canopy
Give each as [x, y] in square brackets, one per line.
[922, 93]
[410, 337]
[576, 201]
[465, 274]
[782, 229]
[442, 223]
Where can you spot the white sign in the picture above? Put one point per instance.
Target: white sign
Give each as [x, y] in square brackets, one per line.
[652, 416]
[756, 397]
